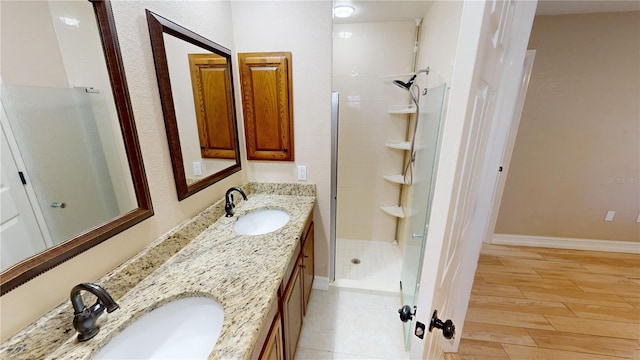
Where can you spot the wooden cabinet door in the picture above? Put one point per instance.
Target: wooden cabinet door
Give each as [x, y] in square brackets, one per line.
[292, 311]
[307, 266]
[273, 348]
[267, 102]
[213, 100]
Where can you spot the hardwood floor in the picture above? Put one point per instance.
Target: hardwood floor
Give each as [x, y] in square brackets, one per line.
[539, 303]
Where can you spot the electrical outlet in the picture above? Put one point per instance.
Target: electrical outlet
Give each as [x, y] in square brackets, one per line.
[302, 172]
[197, 168]
[610, 215]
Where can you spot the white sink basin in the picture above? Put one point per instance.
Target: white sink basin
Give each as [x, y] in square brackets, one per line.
[261, 221]
[182, 329]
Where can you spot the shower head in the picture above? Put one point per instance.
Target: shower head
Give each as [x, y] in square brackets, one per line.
[405, 85]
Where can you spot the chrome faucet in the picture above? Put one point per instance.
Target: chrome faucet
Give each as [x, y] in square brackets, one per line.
[228, 200]
[84, 318]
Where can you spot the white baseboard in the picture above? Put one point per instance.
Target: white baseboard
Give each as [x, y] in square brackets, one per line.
[320, 283]
[567, 243]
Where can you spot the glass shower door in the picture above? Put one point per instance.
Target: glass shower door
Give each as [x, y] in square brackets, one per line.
[419, 197]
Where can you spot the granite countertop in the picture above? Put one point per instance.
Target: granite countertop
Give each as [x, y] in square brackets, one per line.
[201, 257]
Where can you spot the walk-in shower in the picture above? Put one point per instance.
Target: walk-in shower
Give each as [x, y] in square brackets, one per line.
[373, 149]
[385, 140]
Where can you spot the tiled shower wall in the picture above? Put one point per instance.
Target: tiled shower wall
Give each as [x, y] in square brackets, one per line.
[366, 58]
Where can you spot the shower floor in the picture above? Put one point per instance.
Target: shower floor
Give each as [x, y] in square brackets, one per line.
[379, 267]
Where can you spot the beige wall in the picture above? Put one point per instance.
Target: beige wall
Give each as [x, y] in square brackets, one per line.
[304, 28]
[26, 303]
[577, 151]
[365, 55]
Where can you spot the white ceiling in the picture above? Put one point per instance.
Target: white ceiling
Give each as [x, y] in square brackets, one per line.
[383, 10]
[399, 10]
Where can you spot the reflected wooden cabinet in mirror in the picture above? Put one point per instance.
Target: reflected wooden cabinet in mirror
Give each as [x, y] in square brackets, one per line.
[72, 171]
[196, 90]
[210, 79]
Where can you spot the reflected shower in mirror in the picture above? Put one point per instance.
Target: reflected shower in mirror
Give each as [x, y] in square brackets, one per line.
[72, 173]
[196, 89]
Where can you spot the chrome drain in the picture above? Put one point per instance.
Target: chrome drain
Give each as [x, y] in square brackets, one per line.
[355, 261]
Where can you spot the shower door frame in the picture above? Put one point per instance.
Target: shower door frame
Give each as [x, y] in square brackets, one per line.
[335, 107]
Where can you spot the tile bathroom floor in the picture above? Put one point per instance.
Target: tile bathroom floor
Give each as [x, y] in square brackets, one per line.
[380, 261]
[345, 324]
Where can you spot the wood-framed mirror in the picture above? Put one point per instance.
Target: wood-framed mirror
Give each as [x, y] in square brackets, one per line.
[76, 95]
[196, 90]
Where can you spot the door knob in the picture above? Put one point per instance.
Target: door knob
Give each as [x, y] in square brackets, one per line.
[447, 327]
[406, 314]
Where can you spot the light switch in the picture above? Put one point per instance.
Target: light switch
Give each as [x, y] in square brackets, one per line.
[610, 215]
[197, 168]
[302, 173]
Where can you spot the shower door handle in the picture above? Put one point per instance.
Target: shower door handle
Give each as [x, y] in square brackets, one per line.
[59, 205]
[417, 236]
[406, 313]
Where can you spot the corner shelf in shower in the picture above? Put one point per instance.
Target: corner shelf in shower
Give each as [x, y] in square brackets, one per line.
[398, 144]
[396, 211]
[405, 145]
[397, 179]
[402, 109]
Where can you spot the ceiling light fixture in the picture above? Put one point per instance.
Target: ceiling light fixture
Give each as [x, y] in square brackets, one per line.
[343, 11]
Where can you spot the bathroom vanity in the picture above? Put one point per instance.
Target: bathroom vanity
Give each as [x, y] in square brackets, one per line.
[281, 330]
[278, 338]
[263, 282]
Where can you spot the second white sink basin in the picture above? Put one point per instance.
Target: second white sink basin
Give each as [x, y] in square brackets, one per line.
[261, 221]
[182, 329]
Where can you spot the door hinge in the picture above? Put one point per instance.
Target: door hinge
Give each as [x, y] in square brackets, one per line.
[24, 181]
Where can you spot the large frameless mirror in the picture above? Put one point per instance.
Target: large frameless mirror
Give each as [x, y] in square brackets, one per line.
[196, 89]
[72, 172]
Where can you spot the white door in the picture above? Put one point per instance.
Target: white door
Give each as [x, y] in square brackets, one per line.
[20, 235]
[502, 159]
[489, 57]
